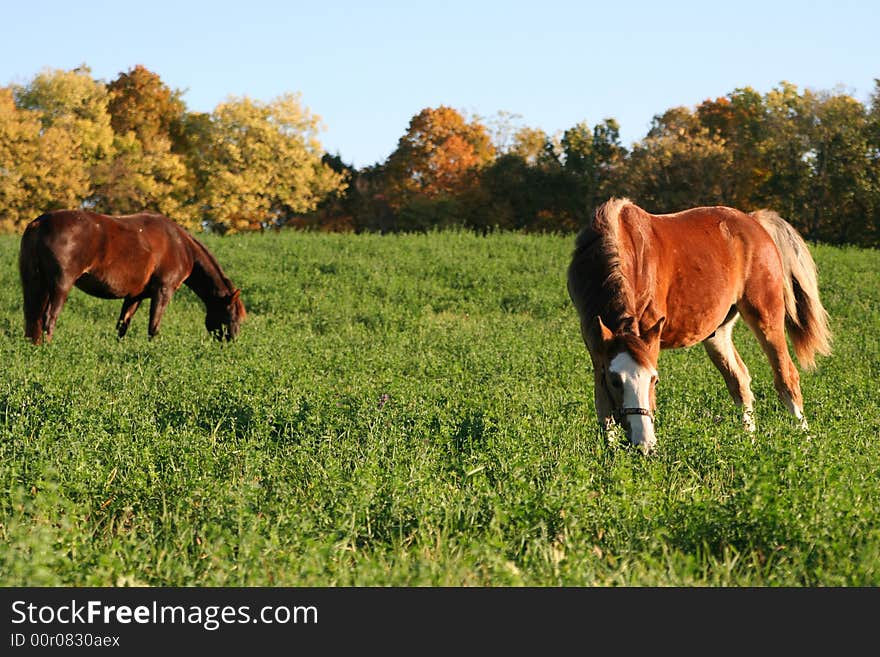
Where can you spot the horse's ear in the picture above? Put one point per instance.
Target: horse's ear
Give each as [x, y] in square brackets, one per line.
[604, 332]
[654, 332]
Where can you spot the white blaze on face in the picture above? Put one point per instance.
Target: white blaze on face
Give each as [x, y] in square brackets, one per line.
[636, 383]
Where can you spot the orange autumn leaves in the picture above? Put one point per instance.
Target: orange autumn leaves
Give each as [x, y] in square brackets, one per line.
[440, 155]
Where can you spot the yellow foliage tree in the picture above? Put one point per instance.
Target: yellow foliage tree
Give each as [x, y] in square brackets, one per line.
[72, 101]
[40, 166]
[260, 164]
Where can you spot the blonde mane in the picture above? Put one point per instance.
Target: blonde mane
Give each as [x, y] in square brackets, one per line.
[597, 257]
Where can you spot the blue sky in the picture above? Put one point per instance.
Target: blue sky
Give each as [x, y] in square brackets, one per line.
[367, 67]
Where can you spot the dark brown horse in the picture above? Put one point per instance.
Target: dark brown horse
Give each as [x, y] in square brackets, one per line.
[133, 257]
[644, 282]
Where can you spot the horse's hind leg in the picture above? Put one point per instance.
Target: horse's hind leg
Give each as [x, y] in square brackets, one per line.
[129, 308]
[57, 297]
[158, 303]
[35, 297]
[769, 327]
[34, 312]
[724, 355]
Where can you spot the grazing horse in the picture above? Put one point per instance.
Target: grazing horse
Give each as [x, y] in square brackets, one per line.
[642, 282]
[132, 257]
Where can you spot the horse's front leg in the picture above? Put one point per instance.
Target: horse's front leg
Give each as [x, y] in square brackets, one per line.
[158, 303]
[604, 410]
[129, 308]
[601, 399]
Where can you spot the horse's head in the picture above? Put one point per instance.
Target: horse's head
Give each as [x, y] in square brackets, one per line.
[224, 316]
[629, 374]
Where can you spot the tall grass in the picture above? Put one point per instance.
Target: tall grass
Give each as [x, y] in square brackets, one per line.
[417, 410]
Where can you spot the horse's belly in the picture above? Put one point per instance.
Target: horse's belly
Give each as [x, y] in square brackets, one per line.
[684, 336]
[97, 287]
[689, 324]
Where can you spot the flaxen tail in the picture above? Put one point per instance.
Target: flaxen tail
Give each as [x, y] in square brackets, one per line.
[805, 318]
[33, 285]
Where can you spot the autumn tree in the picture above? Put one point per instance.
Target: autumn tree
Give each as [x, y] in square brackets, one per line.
[18, 145]
[54, 131]
[76, 103]
[440, 155]
[534, 146]
[261, 164]
[145, 173]
[140, 102]
[40, 170]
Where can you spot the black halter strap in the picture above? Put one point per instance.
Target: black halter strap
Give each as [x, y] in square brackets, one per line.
[633, 410]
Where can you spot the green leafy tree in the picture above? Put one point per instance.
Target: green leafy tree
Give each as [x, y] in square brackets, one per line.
[873, 166]
[786, 152]
[522, 196]
[838, 198]
[740, 120]
[592, 158]
[678, 165]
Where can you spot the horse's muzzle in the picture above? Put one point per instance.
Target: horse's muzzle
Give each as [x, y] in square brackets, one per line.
[639, 433]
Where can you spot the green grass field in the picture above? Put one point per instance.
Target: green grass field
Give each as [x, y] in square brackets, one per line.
[417, 410]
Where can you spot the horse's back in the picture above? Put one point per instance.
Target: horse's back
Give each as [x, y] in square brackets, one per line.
[728, 222]
[60, 238]
[734, 240]
[87, 231]
[107, 256]
[691, 266]
[67, 218]
[59, 221]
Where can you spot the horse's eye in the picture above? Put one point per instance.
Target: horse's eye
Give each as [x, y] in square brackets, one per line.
[616, 381]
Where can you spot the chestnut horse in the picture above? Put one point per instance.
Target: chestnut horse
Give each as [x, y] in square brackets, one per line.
[132, 257]
[642, 282]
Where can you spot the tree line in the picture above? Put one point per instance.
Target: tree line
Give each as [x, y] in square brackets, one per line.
[68, 140]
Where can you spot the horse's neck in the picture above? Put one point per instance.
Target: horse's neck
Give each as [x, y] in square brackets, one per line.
[207, 279]
[639, 253]
[624, 292]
